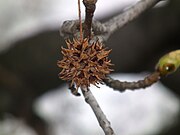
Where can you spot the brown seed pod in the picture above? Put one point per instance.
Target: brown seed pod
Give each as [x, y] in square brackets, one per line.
[84, 63]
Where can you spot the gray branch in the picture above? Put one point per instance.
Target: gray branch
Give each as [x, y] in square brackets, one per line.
[103, 121]
[103, 31]
[122, 86]
[69, 28]
[128, 15]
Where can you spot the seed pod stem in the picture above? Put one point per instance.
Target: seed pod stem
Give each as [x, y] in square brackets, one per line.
[80, 21]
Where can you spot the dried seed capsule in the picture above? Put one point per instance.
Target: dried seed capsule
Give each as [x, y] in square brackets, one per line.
[84, 63]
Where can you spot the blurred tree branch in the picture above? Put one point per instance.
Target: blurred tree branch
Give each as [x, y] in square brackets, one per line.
[128, 15]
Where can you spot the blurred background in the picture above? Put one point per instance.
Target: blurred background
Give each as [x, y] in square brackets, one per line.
[33, 101]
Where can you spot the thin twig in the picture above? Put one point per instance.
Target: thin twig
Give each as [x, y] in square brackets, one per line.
[80, 21]
[122, 86]
[103, 121]
[130, 14]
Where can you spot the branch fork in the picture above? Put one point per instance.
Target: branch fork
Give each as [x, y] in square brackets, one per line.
[102, 31]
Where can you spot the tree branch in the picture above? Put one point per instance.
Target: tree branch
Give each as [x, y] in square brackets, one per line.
[130, 14]
[90, 6]
[103, 31]
[103, 121]
[122, 86]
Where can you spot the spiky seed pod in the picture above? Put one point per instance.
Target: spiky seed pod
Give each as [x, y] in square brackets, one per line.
[84, 63]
